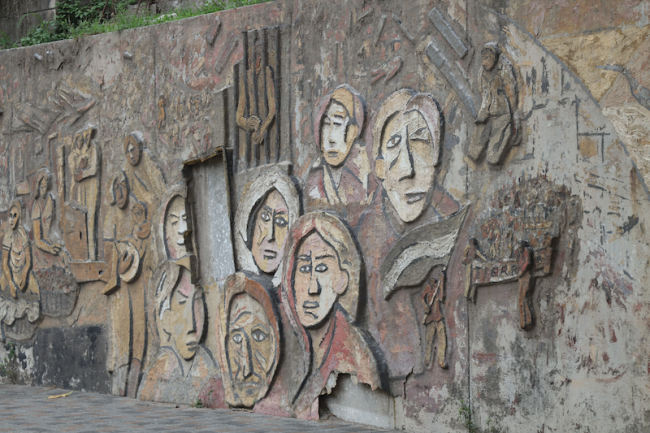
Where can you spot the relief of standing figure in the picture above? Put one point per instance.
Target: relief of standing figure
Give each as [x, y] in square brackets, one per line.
[497, 123]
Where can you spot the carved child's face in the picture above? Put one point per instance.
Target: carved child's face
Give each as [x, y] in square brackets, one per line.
[251, 348]
[186, 316]
[270, 233]
[14, 217]
[176, 227]
[138, 214]
[121, 191]
[318, 280]
[488, 59]
[408, 151]
[334, 141]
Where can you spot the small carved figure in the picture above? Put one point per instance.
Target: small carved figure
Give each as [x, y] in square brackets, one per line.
[19, 291]
[126, 250]
[497, 124]
[84, 165]
[161, 111]
[341, 176]
[17, 259]
[320, 291]
[432, 299]
[268, 207]
[42, 214]
[145, 177]
[261, 97]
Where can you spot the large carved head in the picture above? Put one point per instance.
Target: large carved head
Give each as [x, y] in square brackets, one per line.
[133, 145]
[249, 335]
[322, 269]
[339, 123]
[266, 210]
[180, 311]
[406, 148]
[118, 193]
[41, 183]
[15, 212]
[175, 223]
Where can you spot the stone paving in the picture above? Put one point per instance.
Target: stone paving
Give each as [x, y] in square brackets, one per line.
[28, 409]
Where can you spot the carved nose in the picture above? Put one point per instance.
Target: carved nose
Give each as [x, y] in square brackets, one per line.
[314, 286]
[247, 361]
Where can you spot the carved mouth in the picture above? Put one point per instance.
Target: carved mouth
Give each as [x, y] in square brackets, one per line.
[310, 305]
[192, 346]
[181, 241]
[333, 153]
[270, 254]
[414, 196]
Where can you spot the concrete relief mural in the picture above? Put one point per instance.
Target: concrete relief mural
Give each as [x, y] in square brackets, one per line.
[325, 162]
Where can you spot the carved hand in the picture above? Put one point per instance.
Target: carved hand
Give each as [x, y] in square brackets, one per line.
[78, 175]
[253, 122]
[258, 137]
[56, 249]
[14, 290]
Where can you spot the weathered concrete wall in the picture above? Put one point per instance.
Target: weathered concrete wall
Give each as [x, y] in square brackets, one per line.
[444, 201]
[18, 16]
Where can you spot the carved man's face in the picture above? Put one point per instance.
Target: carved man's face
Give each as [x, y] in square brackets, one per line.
[251, 348]
[121, 191]
[185, 318]
[176, 227]
[138, 213]
[14, 217]
[334, 141]
[408, 151]
[318, 280]
[133, 151]
[271, 228]
[488, 59]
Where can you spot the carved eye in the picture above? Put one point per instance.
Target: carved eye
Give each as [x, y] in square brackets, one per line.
[305, 269]
[394, 141]
[265, 216]
[280, 222]
[237, 338]
[259, 335]
[420, 135]
[322, 267]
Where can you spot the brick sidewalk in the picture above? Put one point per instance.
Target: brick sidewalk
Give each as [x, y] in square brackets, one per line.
[27, 409]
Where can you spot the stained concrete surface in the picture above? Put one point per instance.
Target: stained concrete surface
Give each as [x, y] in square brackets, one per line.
[28, 409]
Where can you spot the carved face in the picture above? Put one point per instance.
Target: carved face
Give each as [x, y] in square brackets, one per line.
[176, 227]
[183, 322]
[14, 217]
[334, 141]
[133, 151]
[78, 141]
[271, 228]
[251, 348]
[42, 187]
[408, 151]
[138, 214]
[86, 135]
[318, 280]
[121, 191]
[488, 59]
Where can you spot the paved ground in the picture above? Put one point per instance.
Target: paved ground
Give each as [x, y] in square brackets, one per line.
[28, 409]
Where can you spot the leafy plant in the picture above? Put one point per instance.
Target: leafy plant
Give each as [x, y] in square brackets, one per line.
[465, 413]
[75, 19]
[198, 404]
[9, 366]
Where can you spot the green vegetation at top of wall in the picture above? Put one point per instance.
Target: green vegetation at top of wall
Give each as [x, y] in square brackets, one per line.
[74, 20]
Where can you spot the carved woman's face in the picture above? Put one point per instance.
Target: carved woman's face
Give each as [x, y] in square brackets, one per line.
[318, 280]
[133, 151]
[121, 192]
[176, 227]
[251, 348]
[270, 232]
[186, 316]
